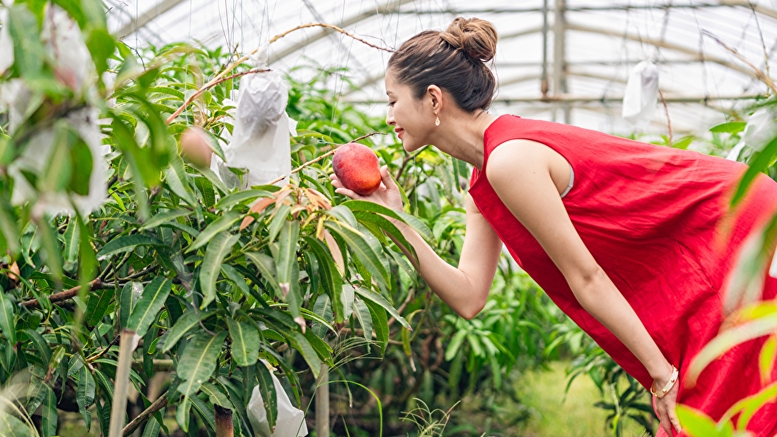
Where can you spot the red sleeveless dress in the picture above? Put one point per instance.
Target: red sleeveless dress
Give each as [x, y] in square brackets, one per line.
[650, 216]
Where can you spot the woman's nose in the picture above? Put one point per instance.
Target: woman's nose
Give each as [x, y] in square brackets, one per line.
[390, 117]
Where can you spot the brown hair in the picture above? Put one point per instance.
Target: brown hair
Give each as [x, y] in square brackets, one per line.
[454, 60]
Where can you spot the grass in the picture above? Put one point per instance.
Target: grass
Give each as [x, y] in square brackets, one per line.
[542, 392]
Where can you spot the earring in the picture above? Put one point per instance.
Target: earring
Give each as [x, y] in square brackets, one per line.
[437, 121]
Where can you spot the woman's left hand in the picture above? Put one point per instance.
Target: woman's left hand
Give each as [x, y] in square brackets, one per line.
[666, 407]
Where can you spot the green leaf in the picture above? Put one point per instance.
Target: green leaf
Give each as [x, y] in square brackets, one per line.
[85, 394]
[245, 196]
[198, 362]
[346, 297]
[101, 45]
[218, 248]
[455, 344]
[10, 426]
[59, 167]
[364, 317]
[217, 395]
[726, 340]
[758, 163]
[185, 323]
[331, 279]
[363, 251]
[696, 423]
[151, 302]
[269, 395]
[152, 428]
[51, 248]
[379, 324]
[766, 358]
[380, 300]
[71, 242]
[214, 179]
[7, 317]
[182, 413]
[301, 344]
[178, 181]
[127, 243]
[245, 342]
[128, 297]
[286, 259]
[49, 413]
[217, 226]
[277, 222]
[266, 266]
[27, 47]
[81, 159]
[40, 344]
[731, 127]
[164, 217]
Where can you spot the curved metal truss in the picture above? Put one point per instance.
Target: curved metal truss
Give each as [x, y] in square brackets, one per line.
[566, 60]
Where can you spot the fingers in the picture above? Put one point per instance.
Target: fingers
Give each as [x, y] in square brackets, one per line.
[674, 420]
[388, 181]
[340, 189]
[668, 416]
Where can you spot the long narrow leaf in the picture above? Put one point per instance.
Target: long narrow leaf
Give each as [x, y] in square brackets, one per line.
[218, 248]
[151, 302]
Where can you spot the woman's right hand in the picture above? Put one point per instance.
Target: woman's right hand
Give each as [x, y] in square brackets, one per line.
[386, 195]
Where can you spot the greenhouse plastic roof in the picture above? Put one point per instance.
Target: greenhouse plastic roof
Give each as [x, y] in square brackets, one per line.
[693, 43]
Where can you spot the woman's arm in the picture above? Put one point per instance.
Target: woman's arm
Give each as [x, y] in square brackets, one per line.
[465, 288]
[519, 172]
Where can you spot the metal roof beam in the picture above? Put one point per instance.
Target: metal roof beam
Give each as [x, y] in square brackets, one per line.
[147, 17]
[597, 99]
[390, 7]
[723, 3]
[641, 39]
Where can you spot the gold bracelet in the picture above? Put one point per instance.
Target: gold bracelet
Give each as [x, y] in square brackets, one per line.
[660, 394]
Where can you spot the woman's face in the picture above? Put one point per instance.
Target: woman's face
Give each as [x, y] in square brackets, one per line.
[412, 119]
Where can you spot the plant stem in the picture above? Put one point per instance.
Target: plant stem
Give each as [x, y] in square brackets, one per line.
[143, 417]
[322, 402]
[224, 426]
[63, 295]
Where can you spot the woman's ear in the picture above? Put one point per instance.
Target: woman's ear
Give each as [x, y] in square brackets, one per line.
[435, 96]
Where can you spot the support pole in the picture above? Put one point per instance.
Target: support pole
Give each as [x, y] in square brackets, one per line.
[322, 402]
[544, 78]
[127, 344]
[559, 60]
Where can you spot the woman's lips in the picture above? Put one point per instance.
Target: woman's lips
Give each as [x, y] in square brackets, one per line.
[399, 132]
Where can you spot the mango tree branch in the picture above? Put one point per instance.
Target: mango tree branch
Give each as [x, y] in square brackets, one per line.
[329, 153]
[143, 417]
[208, 86]
[220, 77]
[62, 295]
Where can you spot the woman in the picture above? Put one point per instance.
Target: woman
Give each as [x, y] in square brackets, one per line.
[623, 236]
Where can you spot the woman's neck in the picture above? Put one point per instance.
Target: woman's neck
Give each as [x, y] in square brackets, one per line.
[461, 136]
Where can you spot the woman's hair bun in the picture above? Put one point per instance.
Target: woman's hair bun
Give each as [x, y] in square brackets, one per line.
[475, 37]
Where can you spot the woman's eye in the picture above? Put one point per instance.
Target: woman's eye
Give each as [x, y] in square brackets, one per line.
[390, 103]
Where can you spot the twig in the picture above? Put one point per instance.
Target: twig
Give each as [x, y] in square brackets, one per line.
[329, 153]
[208, 86]
[129, 341]
[62, 295]
[104, 351]
[758, 73]
[143, 417]
[668, 121]
[216, 80]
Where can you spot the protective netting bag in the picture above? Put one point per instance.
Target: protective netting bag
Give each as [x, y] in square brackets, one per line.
[259, 143]
[639, 99]
[290, 421]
